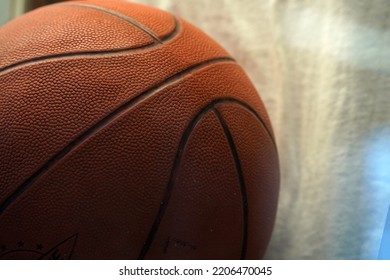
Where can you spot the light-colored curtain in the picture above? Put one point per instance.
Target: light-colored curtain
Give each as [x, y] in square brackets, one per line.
[322, 69]
[10, 9]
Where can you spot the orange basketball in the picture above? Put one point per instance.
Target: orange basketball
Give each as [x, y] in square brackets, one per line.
[127, 133]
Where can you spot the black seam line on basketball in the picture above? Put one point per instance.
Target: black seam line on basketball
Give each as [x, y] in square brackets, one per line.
[118, 15]
[90, 53]
[104, 122]
[172, 179]
[174, 31]
[241, 180]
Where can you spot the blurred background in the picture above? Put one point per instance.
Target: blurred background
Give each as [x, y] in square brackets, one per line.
[10, 9]
[322, 69]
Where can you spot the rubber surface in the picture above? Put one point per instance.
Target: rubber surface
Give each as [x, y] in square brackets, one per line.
[128, 133]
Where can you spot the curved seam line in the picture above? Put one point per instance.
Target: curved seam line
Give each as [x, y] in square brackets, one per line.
[251, 110]
[172, 179]
[118, 15]
[241, 180]
[99, 125]
[89, 53]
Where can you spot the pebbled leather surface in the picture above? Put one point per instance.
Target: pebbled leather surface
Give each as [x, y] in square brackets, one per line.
[79, 27]
[198, 214]
[89, 144]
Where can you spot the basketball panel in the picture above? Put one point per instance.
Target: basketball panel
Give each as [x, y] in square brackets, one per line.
[204, 199]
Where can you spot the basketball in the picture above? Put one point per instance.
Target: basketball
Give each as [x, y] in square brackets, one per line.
[128, 133]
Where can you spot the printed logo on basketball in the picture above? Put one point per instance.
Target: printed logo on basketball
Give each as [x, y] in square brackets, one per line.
[21, 250]
[178, 243]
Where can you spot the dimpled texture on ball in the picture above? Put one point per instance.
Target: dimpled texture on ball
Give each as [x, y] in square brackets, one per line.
[128, 133]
